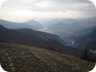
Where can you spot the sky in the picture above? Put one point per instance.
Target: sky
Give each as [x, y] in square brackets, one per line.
[22, 10]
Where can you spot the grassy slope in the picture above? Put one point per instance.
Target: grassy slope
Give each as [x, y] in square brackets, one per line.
[21, 58]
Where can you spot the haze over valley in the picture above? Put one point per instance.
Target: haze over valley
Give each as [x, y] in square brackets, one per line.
[47, 35]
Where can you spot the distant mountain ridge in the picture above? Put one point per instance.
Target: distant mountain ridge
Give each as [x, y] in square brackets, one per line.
[70, 26]
[71, 29]
[32, 24]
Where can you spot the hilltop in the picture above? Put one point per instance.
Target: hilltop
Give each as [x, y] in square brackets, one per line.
[21, 58]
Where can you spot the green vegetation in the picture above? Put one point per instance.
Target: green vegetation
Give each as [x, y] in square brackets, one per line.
[21, 58]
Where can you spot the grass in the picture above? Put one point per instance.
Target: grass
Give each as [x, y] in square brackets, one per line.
[22, 58]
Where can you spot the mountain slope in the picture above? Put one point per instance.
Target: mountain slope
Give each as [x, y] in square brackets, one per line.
[19, 37]
[21, 58]
[69, 26]
[85, 31]
[42, 34]
[87, 40]
[34, 25]
[14, 36]
[29, 24]
[88, 44]
[69, 29]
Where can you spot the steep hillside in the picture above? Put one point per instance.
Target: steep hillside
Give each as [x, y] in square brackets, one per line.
[88, 40]
[16, 36]
[85, 31]
[37, 40]
[79, 35]
[21, 58]
[88, 44]
[42, 34]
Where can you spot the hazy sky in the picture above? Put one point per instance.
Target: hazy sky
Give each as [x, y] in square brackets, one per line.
[21, 10]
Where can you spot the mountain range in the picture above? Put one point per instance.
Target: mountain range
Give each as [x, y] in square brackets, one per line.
[82, 40]
[70, 27]
[31, 24]
[37, 39]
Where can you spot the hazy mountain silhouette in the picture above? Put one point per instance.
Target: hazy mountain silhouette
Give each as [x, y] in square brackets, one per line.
[32, 24]
[71, 29]
[69, 26]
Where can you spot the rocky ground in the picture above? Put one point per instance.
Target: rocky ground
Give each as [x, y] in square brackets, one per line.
[21, 58]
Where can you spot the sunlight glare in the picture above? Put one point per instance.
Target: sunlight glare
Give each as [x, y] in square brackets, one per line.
[44, 4]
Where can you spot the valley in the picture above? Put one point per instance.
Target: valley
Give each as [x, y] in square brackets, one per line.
[47, 35]
[55, 48]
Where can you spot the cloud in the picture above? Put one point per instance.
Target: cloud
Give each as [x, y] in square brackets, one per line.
[1, 2]
[48, 5]
[48, 8]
